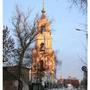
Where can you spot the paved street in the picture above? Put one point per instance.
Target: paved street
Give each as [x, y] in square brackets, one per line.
[66, 89]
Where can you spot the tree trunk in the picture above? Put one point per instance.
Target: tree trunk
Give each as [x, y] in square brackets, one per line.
[20, 84]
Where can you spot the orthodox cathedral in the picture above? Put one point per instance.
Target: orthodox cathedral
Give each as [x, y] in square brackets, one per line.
[43, 57]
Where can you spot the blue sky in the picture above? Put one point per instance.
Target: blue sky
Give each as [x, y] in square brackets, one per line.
[68, 43]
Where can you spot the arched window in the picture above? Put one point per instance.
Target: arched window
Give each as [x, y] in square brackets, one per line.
[42, 29]
[42, 47]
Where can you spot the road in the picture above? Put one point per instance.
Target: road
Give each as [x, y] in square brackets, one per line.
[65, 89]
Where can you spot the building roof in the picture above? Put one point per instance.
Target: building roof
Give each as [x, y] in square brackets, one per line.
[43, 16]
[11, 72]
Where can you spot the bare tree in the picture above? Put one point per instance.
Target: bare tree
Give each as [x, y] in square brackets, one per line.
[8, 47]
[25, 34]
[81, 4]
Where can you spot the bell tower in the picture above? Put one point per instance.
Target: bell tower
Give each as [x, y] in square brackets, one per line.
[44, 35]
[43, 54]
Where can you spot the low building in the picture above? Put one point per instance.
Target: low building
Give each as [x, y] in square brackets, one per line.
[64, 82]
[10, 78]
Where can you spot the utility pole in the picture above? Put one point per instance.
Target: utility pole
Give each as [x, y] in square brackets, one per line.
[84, 67]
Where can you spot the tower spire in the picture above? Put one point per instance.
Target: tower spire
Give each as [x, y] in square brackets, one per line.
[43, 7]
